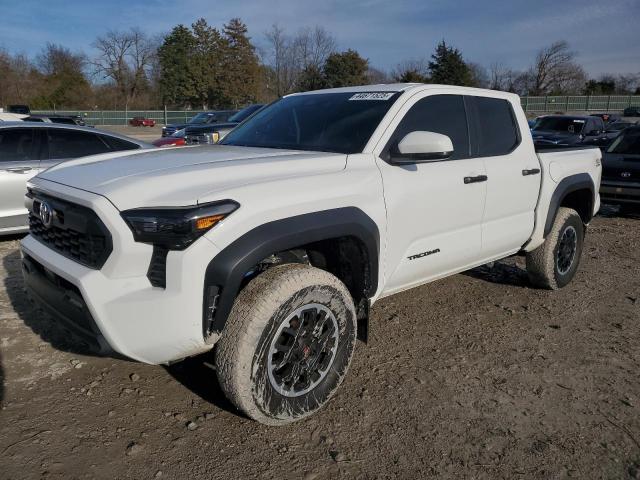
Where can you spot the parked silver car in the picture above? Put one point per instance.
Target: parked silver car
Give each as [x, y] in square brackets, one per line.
[27, 148]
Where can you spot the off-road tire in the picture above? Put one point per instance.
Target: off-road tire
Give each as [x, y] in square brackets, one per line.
[243, 352]
[543, 262]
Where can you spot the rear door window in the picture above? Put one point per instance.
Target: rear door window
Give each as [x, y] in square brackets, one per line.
[17, 144]
[74, 143]
[117, 144]
[495, 129]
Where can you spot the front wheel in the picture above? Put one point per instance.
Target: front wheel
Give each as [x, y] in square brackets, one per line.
[287, 344]
[554, 263]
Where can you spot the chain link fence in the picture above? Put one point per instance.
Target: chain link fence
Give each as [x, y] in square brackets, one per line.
[604, 103]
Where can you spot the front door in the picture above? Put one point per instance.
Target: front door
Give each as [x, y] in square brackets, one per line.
[434, 210]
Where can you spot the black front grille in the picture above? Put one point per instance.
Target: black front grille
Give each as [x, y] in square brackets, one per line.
[157, 273]
[196, 139]
[622, 174]
[74, 231]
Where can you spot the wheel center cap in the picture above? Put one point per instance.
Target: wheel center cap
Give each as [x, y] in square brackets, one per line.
[306, 351]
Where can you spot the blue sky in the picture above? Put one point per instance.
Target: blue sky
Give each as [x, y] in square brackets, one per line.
[605, 33]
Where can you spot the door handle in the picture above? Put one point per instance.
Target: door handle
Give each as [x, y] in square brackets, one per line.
[530, 171]
[476, 179]
[18, 169]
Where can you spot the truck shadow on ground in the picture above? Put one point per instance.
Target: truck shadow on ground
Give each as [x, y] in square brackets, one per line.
[611, 211]
[195, 373]
[1, 380]
[199, 376]
[37, 320]
[502, 272]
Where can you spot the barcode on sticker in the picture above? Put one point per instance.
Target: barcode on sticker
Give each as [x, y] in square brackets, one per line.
[372, 96]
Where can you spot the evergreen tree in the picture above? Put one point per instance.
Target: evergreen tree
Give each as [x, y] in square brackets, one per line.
[207, 63]
[310, 78]
[412, 76]
[345, 69]
[448, 67]
[240, 78]
[176, 75]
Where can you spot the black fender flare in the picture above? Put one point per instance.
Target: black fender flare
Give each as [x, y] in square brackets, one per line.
[226, 271]
[580, 181]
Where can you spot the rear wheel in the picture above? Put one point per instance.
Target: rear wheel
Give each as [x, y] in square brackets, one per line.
[287, 343]
[554, 263]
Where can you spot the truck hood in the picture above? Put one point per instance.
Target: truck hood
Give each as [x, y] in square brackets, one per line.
[182, 176]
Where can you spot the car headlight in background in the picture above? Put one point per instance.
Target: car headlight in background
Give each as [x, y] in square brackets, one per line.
[213, 137]
[176, 228]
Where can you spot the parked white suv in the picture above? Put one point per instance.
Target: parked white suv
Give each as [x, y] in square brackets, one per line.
[273, 245]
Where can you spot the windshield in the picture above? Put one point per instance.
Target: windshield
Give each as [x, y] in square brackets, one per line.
[201, 118]
[326, 122]
[560, 124]
[244, 113]
[627, 143]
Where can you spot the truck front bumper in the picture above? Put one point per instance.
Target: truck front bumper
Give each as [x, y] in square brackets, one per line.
[620, 192]
[116, 307]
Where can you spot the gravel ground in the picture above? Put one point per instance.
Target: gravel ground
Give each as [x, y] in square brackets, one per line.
[475, 376]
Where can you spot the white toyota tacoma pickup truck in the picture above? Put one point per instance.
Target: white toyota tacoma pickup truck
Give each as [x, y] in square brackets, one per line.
[273, 245]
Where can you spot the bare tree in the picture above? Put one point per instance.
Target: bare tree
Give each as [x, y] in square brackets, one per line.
[479, 75]
[555, 71]
[289, 56]
[414, 70]
[280, 56]
[56, 59]
[627, 83]
[126, 58]
[376, 76]
[312, 46]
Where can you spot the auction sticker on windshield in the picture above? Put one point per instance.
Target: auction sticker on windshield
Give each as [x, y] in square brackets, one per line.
[372, 96]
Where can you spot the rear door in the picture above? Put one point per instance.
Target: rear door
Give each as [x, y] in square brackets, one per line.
[513, 175]
[19, 161]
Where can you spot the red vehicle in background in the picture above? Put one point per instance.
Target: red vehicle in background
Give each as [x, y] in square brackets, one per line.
[142, 122]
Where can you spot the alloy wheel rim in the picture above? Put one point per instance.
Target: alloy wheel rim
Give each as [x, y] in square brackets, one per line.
[567, 250]
[303, 350]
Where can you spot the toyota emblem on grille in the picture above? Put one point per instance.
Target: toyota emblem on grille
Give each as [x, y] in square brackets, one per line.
[46, 214]
[625, 174]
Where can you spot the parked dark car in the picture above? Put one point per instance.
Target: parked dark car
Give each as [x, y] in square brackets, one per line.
[564, 130]
[142, 122]
[213, 133]
[607, 117]
[202, 118]
[19, 109]
[63, 119]
[611, 131]
[631, 112]
[620, 183]
[27, 148]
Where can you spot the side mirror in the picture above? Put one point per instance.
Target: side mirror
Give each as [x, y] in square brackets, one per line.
[420, 147]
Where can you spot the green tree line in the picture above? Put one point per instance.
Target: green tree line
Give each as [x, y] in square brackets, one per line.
[208, 67]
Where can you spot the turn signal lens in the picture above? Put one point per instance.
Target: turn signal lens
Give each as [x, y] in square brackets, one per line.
[206, 223]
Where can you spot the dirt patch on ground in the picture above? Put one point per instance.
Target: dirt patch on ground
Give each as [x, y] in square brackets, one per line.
[474, 376]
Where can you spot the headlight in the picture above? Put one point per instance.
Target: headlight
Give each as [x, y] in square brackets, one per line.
[213, 137]
[176, 228]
